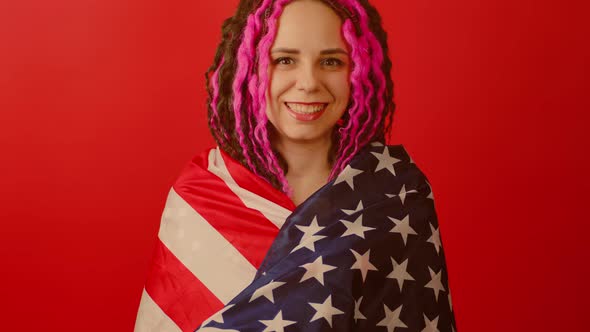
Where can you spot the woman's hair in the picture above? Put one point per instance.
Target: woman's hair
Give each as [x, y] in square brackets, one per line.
[237, 82]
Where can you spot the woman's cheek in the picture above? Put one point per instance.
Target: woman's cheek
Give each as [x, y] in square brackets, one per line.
[281, 81]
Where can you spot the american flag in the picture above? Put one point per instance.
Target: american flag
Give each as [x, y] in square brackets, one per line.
[363, 253]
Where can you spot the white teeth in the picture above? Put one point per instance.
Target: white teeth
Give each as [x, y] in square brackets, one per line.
[305, 109]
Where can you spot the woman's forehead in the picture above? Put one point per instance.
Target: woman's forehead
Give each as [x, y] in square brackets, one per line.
[309, 24]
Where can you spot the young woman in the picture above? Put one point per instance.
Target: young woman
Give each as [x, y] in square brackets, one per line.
[302, 219]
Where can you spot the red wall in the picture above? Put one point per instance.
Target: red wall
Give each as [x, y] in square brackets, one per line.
[101, 104]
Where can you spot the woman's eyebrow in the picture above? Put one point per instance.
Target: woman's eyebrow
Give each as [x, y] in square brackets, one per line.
[296, 51]
[285, 50]
[334, 51]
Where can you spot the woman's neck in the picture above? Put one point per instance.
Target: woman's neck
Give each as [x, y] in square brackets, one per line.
[308, 167]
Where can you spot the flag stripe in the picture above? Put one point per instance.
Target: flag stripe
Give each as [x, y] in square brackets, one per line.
[203, 250]
[174, 288]
[255, 184]
[150, 317]
[211, 227]
[221, 208]
[271, 210]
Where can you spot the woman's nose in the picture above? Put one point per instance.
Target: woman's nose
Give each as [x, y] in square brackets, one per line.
[307, 79]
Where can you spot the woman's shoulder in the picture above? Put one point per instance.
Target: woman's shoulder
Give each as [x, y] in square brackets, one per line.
[404, 188]
[397, 159]
[394, 166]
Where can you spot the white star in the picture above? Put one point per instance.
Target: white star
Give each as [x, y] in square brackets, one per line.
[308, 242]
[376, 143]
[308, 239]
[218, 316]
[312, 229]
[347, 175]
[402, 227]
[385, 161]
[431, 325]
[435, 283]
[355, 228]
[277, 324]
[391, 320]
[362, 263]
[402, 193]
[357, 310]
[435, 238]
[316, 270]
[400, 273]
[359, 207]
[325, 310]
[266, 291]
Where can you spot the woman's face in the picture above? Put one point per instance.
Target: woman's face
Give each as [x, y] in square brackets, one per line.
[309, 83]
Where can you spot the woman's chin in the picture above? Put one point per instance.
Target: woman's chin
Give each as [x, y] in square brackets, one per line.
[304, 137]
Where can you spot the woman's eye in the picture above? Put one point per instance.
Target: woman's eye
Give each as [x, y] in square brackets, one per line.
[283, 61]
[333, 62]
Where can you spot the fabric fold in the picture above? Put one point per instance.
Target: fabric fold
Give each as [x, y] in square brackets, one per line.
[363, 253]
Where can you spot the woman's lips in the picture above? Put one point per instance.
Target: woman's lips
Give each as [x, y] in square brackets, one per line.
[306, 116]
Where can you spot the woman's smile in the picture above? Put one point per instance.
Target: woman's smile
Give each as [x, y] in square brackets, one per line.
[306, 111]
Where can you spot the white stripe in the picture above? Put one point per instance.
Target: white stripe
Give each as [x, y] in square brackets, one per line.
[205, 252]
[272, 211]
[150, 318]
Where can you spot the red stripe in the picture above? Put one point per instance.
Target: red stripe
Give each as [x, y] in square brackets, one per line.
[178, 292]
[246, 179]
[246, 229]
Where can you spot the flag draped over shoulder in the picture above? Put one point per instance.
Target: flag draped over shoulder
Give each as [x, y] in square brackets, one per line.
[218, 223]
[363, 253]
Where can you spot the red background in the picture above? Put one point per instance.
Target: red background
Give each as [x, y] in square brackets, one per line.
[102, 103]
